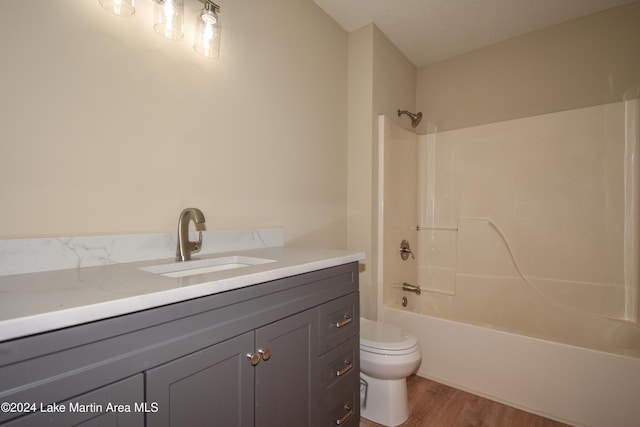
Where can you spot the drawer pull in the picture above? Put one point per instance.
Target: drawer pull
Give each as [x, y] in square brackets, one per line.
[346, 416]
[344, 322]
[347, 367]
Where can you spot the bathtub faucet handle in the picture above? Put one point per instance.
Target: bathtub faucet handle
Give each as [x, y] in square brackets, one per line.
[405, 250]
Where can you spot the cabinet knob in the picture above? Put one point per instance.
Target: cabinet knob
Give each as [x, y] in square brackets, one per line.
[265, 352]
[254, 358]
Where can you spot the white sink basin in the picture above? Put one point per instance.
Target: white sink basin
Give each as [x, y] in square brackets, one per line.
[201, 266]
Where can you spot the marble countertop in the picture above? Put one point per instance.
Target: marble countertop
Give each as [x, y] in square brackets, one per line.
[39, 302]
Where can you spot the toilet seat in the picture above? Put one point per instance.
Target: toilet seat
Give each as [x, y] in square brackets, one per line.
[387, 339]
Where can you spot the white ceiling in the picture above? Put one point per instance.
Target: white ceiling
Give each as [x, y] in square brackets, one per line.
[428, 31]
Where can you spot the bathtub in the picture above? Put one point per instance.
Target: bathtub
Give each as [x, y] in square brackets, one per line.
[575, 385]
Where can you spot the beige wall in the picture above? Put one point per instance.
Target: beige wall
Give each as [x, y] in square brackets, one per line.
[107, 128]
[589, 61]
[360, 162]
[381, 81]
[394, 81]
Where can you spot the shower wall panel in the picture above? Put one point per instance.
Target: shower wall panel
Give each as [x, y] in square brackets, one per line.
[552, 188]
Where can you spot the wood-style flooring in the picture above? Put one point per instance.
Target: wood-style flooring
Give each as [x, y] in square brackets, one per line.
[436, 405]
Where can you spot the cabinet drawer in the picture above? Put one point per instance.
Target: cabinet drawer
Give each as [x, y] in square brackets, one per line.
[339, 320]
[339, 369]
[343, 410]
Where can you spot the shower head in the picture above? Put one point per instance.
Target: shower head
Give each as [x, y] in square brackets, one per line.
[415, 118]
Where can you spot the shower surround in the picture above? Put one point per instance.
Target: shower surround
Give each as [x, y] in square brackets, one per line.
[527, 226]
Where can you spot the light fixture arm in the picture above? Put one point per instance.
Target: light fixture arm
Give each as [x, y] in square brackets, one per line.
[211, 6]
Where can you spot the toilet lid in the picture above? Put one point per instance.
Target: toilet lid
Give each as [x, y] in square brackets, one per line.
[384, 336]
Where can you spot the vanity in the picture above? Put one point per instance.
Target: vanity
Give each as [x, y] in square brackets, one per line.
[267, 344]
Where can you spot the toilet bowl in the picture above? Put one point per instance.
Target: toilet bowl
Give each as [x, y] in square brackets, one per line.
[388, 355]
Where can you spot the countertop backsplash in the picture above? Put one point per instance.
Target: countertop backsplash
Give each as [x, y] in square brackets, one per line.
[19, 256]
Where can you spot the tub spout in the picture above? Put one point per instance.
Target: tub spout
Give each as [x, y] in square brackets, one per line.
[411, 288]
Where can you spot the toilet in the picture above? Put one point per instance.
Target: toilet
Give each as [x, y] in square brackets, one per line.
[388, 355]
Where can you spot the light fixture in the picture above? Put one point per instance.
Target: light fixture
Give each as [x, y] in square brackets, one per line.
[118, 7]
[168, 21]
[206, 41]
[169, 18]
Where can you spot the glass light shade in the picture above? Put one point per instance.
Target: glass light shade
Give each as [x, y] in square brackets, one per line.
[169, 18]
[119, 7]
[207, 37]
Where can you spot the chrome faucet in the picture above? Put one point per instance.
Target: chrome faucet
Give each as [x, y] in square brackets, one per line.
[186, 247]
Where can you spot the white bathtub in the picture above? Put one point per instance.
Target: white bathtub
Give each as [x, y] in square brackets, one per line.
[572, 384]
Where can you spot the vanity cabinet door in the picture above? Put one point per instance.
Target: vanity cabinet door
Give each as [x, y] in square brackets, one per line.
[286, 378]
[213, 386]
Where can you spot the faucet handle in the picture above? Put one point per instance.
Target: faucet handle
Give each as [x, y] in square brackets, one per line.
[198, 243]
[405, 250]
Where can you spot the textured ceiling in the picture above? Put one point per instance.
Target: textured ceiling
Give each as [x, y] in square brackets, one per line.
[428, 31]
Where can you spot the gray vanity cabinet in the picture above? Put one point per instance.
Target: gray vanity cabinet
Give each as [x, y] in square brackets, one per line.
[216, 382]
[286, 383]
[82, 410]
[281, 353]
[218, 385]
